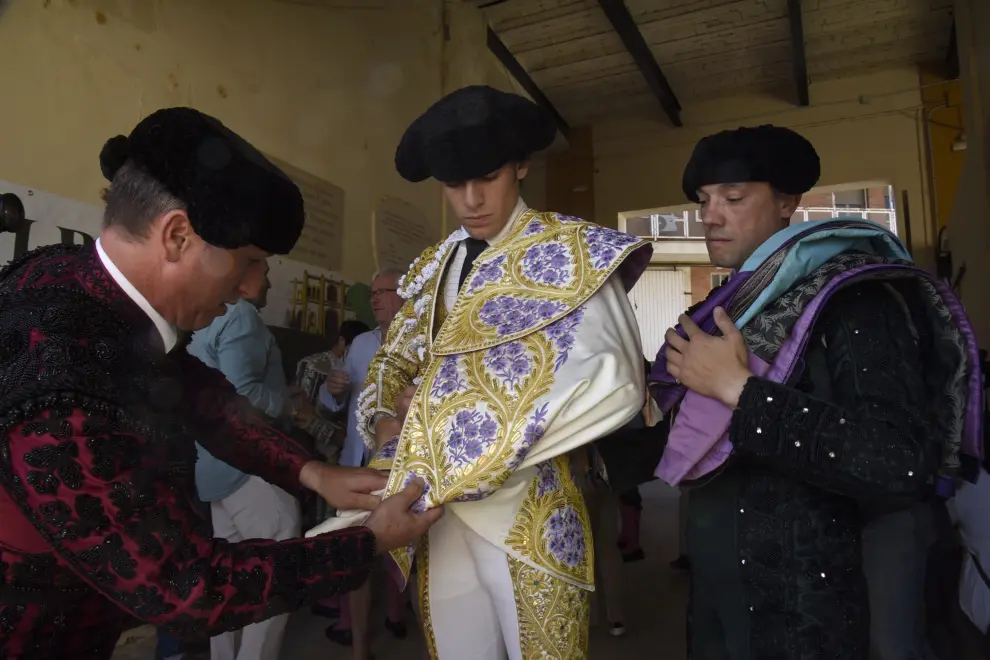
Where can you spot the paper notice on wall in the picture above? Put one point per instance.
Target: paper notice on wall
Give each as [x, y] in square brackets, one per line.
[48, 219]
[400, 233]
[322, 240]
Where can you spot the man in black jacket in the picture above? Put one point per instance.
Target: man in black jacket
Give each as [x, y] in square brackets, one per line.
[774, 528]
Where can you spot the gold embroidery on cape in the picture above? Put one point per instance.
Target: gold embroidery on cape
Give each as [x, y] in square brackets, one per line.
[390, 371]
[527, 533]
[436, 289]
[411, 352]
[463, 331]
[423, 582]
[554, 616]
[424, 441]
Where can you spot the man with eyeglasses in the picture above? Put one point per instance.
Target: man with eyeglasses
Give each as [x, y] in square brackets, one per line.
[343, 386]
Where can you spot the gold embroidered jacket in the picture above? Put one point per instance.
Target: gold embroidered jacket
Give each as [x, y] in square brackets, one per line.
[539, 355]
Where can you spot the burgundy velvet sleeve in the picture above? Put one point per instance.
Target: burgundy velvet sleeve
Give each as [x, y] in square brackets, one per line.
[116, 508]
[233, 431]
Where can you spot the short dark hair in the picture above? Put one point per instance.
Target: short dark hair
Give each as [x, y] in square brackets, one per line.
[351, 329]
[135, 199]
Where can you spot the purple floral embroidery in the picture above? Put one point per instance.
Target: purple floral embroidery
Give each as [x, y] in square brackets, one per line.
[548, 263]
[561, 332]
[533, 228]
[605, 245]
[568, 218]
[420, 505]
[448, 380]
[509, 362]
[471, 434]
[565, 537]
[490, 271]
[387, 451]
[535, 430]
[546, 479]
[510, 315]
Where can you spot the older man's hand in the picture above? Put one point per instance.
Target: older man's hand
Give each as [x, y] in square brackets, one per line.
[344, 488]
[395, 524]
[716, 367]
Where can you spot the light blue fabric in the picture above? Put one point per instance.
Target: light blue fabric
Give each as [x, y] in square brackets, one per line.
[814, 250]
[241, 346]
[356, 364]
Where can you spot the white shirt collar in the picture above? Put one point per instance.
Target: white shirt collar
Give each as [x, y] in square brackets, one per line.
[516, 213]
[165, 329]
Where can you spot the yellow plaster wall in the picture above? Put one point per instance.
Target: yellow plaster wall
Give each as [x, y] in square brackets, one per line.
[969, 222]
[327, 86]
[945, 115]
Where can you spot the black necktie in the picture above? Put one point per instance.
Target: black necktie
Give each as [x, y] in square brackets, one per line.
[475, 246]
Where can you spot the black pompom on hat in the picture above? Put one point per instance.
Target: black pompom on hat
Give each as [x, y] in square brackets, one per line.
[234, 196]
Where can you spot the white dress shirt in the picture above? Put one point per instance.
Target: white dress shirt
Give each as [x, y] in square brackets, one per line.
[451, 287]
[169, 335]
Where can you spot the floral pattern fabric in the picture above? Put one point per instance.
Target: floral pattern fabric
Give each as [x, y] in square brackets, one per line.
[486, 368]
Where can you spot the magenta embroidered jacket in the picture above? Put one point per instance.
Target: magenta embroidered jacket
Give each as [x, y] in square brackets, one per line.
[97, 429]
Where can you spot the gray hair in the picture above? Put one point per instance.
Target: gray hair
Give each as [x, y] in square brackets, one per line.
[387, 272]
[135, 199]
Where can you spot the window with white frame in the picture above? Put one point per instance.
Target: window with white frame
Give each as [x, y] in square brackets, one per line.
[684, 221]
[718, 279]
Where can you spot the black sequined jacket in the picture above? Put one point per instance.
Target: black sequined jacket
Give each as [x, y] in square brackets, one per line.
[850, 438]
[97, 431]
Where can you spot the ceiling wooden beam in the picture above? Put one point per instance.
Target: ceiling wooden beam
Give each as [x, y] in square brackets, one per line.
[952, 54]
[509, 61]
[625, 26]
[798, 55]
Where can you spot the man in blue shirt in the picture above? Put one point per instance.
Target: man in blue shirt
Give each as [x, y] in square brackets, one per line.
[243, 506]
[343, 387]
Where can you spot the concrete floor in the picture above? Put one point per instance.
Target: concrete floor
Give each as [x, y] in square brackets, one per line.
[655, 598]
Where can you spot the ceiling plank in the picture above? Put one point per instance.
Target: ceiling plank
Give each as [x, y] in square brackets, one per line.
[625, 26]
[513, 66]
[952, 54]
[798, 54]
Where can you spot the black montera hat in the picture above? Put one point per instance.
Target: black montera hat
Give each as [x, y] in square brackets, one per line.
[234, 195]
[768, 154]
[472, 132]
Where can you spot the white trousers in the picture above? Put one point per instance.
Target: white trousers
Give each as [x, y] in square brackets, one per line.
[478, 603]
[257, 510]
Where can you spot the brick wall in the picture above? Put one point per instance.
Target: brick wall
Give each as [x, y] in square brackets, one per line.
[701, 281]
[877, 197]
[818, 199]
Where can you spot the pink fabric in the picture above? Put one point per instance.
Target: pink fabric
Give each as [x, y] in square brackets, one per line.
[699, 441]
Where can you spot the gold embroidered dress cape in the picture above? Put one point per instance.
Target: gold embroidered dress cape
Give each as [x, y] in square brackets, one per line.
[540, 354]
